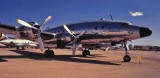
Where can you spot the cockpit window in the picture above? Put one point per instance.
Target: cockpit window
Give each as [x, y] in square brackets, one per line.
[126, 23]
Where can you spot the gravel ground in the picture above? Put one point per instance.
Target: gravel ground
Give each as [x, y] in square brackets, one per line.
[30, 63]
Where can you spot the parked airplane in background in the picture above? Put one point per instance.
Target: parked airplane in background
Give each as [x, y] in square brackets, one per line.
[101, 31]
[18, 43]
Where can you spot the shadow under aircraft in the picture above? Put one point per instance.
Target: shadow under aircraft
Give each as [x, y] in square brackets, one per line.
[67, 58]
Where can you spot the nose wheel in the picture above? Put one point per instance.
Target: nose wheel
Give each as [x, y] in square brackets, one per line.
[126, 58]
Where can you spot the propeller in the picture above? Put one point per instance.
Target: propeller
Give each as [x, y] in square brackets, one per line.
[38, 39]
[74, 42]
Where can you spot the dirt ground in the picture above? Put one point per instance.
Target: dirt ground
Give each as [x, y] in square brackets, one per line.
[30, 63]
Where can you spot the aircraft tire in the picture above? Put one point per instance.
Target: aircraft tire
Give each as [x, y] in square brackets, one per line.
[48, 53]
[22, 48]
[87, 52]
[127, 58]
[84, 53]
[17, 48]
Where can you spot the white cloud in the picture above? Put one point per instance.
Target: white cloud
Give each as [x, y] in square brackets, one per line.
[136, 14]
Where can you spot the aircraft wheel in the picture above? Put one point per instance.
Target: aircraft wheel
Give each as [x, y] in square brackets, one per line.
[49, 53]
[22, 48]
[127, 58]
[17, 48]
[86, 52]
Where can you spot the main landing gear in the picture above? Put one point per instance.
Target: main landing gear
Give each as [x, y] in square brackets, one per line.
[127, 57]
[48, 53]
[85, 52]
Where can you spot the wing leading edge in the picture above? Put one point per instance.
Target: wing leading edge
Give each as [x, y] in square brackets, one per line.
[7, 29]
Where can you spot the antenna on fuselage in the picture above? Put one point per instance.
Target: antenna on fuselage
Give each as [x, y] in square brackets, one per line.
[111, 17]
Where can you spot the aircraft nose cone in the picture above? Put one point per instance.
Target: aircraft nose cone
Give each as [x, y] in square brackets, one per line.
[144, 32]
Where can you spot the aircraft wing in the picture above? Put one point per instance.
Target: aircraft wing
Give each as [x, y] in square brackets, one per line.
[7, 29]
[47, 35]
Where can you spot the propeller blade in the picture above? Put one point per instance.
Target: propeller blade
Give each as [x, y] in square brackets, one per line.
[46, 21]
[82, 33]
[40, 42]
[67, 29]
[74, 49]
[24, 23]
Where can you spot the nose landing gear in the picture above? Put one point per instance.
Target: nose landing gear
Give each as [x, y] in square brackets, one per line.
[127, 57]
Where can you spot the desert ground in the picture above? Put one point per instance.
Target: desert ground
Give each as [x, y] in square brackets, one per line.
[30, 63]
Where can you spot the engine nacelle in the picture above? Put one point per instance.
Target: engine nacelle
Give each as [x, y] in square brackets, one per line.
[2, 36]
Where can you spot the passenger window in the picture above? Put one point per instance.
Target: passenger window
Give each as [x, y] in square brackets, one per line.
[95, 28]
[110, 29]
[102, 27]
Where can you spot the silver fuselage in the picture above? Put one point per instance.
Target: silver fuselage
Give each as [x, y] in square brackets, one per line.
[97, 32]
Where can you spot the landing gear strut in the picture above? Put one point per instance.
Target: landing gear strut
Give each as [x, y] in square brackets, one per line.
[127, 57]
[85, 52]
[48, 53]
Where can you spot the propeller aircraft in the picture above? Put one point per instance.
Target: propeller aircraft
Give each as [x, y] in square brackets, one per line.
[86, 32]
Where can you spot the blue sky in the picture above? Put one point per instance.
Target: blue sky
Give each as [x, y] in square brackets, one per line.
[68, 11]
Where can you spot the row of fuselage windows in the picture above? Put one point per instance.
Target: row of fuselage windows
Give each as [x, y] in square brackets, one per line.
[96, 28]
